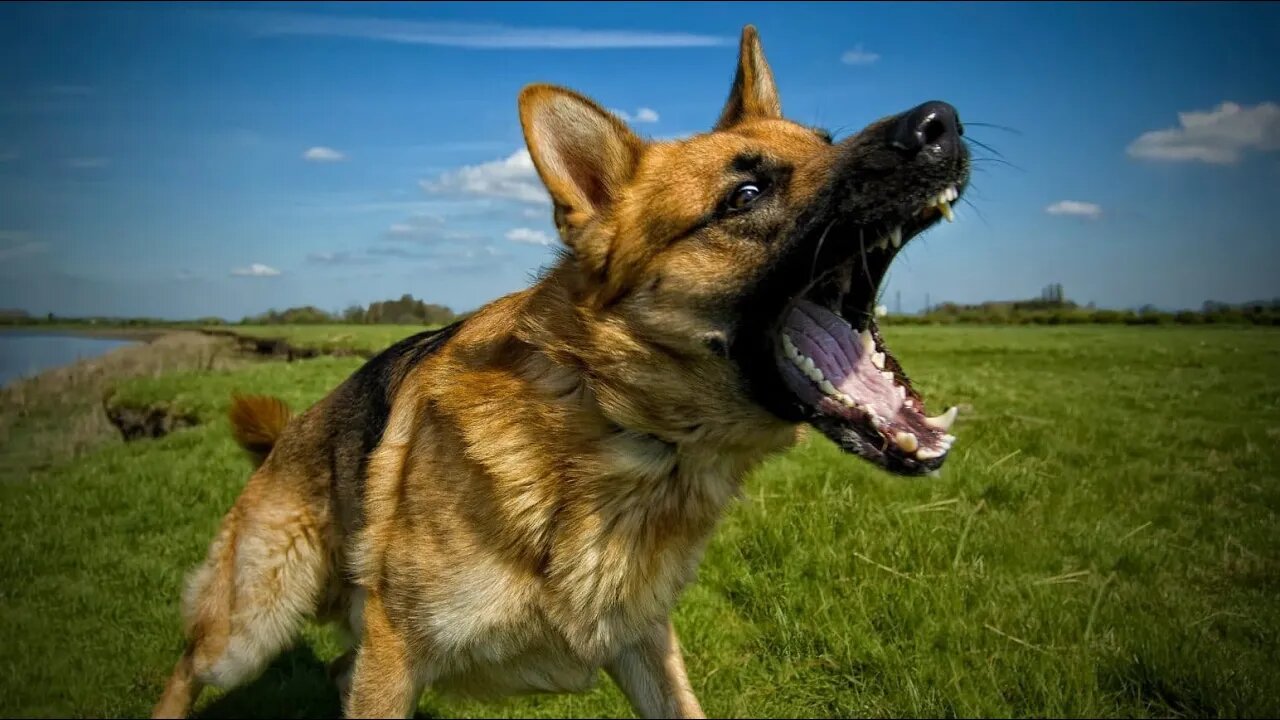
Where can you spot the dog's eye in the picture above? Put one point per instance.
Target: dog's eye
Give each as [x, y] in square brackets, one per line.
[743, 196]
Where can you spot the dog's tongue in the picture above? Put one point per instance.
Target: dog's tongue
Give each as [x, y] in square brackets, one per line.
[833, 361]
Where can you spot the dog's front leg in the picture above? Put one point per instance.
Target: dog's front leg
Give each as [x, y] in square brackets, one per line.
[651, 674]
[384, 682]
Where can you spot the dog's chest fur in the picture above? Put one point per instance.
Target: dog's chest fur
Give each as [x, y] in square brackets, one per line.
[528, 571]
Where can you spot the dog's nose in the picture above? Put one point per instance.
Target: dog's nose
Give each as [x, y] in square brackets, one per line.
[934, 123]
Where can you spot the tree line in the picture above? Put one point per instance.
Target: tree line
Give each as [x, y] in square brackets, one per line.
[405, 311]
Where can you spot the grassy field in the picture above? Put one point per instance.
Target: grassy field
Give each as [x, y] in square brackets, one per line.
[327, 338]
[1103, 542]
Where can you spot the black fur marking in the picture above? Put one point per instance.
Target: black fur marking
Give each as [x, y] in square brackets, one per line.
[360, 407]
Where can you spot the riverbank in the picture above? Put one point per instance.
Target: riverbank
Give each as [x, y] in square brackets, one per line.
[57, 415]
[139, 334]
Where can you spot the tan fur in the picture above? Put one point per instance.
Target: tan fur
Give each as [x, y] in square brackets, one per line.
[257, 421]
[546, 483]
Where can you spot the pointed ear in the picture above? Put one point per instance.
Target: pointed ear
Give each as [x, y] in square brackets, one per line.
[753, 95]
[583, 153]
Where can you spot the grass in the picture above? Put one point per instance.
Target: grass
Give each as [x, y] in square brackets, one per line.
[1103, 543]
[328, 338]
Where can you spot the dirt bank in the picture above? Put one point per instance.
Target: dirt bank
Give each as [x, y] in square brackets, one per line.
[59, 414]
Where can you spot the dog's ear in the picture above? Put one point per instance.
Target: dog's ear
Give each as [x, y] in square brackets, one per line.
[753, 95]
[583, 153]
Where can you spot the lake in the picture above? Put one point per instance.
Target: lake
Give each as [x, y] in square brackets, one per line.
[25, 354]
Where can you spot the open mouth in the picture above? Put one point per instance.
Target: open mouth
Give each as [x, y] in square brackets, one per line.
[831, 357]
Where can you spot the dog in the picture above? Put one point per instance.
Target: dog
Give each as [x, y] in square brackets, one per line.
[515, 502]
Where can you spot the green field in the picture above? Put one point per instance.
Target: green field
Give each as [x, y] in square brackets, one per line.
[327, 338]
[1103, 542]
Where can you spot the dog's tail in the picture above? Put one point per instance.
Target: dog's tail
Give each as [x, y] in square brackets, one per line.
[257, 421]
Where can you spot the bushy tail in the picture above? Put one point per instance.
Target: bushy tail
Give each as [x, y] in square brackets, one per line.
[257, 421]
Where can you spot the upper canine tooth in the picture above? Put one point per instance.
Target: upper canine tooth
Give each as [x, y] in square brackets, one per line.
[895, 235]
[952, 193]
[943, 421]
[907, 441]
[945, 208]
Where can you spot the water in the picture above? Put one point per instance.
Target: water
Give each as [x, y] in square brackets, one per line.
[25, 354]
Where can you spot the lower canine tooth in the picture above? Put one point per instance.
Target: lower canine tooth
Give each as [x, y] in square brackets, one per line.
[927, 454]
[907, 441]
[868, 342]
[943, 421]
[895, 236]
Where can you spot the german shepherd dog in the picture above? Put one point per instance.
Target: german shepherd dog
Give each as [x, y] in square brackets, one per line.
[516, 501]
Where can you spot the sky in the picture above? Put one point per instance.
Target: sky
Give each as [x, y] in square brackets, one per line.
[189, 160]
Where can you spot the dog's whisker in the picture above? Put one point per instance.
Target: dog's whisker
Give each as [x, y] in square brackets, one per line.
[981, 217]
[984, 146]
[813, 267]
[999, 161]
[1006, 128]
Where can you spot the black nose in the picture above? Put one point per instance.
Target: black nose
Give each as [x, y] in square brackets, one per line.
[934, 123]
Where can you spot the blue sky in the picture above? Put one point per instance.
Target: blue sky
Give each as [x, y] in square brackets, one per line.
[201, 159]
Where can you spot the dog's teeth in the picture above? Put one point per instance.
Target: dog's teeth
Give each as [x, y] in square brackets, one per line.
[927, 454]
[945, 208]
[907, 441]
[877, 359]
[952, 193]
[868, 342]
[887, 375]
[895, 236]
[827, 387]
[943, 421]
[901, 392]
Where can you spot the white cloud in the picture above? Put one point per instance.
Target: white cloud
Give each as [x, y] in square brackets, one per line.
[255, 270]
[533, 213]
[642, 115]
[1075, 207]
[335, 258]
[72, 90]
[675, 137]
[88, 163]
[416, 226]
[529, 236]
[858, 56]
[512, 178]
[478, 36]
[321, 153]
[1217, 136]
[15, 244]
